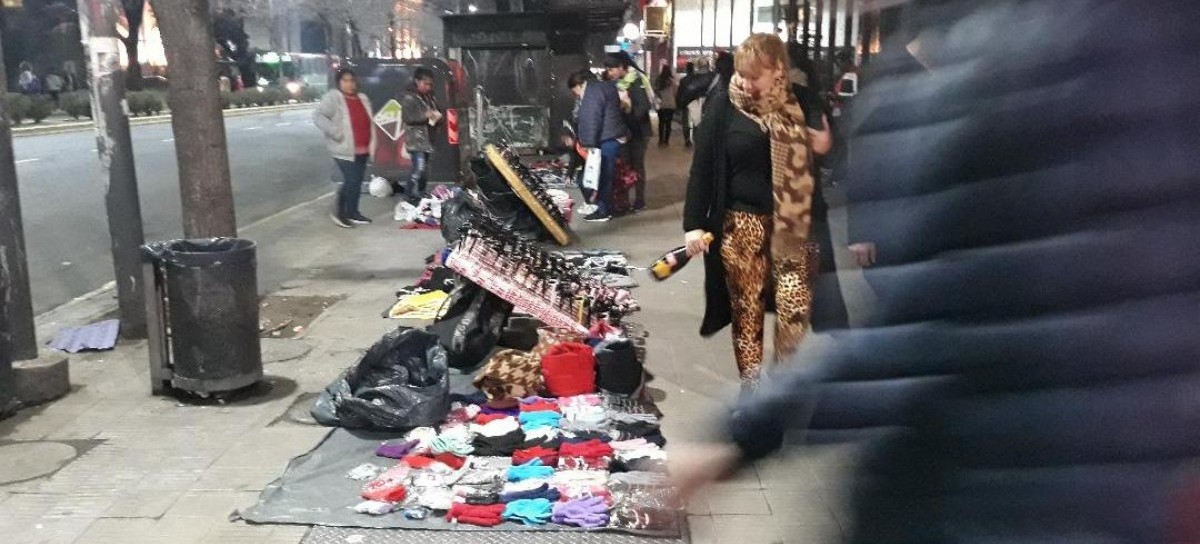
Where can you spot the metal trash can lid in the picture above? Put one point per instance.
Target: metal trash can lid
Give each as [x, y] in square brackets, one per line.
[201, 252]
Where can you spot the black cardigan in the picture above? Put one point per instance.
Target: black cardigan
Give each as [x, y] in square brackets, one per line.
[706, 204]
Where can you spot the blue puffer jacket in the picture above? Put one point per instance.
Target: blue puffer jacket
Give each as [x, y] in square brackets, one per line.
[600, 114]
[1033, 374]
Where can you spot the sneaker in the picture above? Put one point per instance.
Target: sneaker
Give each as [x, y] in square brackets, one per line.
[586, 209]
[597, 217]
[337, 220]
[360, 220]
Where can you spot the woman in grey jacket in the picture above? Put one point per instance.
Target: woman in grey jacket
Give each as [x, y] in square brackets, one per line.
[344, 117]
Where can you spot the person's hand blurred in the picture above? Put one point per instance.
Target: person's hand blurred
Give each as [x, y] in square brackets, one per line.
[693, 466]
[864, 253]
[694, 240]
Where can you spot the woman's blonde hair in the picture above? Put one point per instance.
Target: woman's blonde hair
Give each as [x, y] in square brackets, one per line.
[759, 52]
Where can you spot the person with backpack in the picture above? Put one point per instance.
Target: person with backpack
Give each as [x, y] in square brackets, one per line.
[635, 92]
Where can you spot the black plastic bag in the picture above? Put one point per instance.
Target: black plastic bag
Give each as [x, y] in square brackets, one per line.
[504, 205]
[472, 324]
[400, 383]
[456, 211]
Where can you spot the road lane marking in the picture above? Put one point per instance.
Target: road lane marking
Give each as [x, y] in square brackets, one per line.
[169, 140]
[252, 128]
[23, 161]
[283, 124]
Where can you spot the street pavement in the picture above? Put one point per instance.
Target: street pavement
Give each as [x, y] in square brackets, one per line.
[110, 463]
[276, 158]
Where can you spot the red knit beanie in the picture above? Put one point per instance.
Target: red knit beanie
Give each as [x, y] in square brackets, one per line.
[569, 369]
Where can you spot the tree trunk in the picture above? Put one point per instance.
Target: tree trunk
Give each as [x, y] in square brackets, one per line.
[196, 118]
[133, 74]
[114, 146]
[18, 334]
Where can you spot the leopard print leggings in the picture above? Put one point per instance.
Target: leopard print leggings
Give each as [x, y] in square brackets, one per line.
[749, 271]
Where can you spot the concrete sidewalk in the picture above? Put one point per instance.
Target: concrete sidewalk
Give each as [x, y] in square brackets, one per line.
[110, 463]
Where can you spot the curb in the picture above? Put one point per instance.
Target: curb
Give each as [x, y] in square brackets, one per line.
[43, 379]
[75, 126]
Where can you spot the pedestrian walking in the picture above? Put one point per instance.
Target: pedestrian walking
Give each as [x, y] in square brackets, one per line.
[688, 81]
[602, 127]
[635, 92]
[344, 118]
[1032, 370]
[751, 187]
[54, 86]
[420, 113]
[666, 87]
[27, 81]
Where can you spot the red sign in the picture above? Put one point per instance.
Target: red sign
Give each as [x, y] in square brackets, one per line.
[452, 126]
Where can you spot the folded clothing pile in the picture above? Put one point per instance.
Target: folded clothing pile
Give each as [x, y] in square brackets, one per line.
[481, 515]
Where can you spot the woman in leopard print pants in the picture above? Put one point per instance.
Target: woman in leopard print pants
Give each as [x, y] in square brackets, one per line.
[751, 186]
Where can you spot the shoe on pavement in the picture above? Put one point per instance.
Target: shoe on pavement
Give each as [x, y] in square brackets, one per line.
[360, 220]
[337, 220]
[586, 209]
[597, 217]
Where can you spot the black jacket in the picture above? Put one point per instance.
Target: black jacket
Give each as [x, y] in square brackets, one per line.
[1034, 372]
[600, 114]
[706, 203]
[638, 118]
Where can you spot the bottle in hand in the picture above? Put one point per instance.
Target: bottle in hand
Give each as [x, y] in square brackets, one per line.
[673, 261]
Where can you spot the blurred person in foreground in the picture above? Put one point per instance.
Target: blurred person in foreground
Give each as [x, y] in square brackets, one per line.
[751, 187]
[1033, 374]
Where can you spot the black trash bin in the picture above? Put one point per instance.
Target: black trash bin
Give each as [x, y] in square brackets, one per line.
[202, 315]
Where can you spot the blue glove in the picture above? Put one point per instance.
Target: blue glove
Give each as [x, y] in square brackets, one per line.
[528, 511]
[536, 420]
[533, 469]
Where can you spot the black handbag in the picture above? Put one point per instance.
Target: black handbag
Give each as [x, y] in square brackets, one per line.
[472, 324]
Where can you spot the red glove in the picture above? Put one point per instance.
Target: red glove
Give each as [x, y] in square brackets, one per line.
[548, 456]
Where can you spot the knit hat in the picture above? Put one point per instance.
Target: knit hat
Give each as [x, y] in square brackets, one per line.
[569, 369]
[617, 367]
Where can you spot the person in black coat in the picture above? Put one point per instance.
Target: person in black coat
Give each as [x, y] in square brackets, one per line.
[732, 154]
[1034, 372]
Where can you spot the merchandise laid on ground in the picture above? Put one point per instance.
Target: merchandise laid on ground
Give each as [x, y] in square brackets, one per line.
[521, 407]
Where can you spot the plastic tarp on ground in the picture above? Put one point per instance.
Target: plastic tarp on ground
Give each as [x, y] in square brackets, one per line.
[314, 489]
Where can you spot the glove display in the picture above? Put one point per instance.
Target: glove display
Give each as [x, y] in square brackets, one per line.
[529, 511]
[532, 469]
[591, 512]
[535, 420]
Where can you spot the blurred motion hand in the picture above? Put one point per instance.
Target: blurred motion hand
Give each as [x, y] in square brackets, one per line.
[864, 253]
[694, 240]
[693, 466]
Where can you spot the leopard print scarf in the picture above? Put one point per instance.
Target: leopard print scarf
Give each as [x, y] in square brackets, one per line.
[778, 113]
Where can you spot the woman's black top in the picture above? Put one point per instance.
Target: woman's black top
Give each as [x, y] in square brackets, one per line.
[748, 149]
